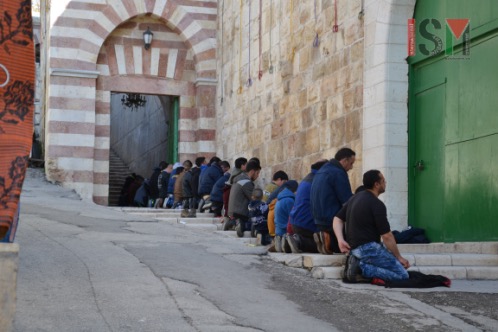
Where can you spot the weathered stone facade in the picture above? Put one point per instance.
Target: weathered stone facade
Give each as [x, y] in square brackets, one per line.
[351, 90]
[311, 104]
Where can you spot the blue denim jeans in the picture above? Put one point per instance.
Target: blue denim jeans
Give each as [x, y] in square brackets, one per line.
[377, 262]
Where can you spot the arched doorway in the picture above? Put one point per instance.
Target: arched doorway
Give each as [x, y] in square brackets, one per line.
[103, 53]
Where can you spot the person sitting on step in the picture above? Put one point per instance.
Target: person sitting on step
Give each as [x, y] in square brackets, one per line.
[300, 218]
[240, 196]
[285, 202]
[366, 218]
[258, 214]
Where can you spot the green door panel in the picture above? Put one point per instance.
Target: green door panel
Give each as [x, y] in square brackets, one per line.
[471, 190]
[453, 128]
[426, 171]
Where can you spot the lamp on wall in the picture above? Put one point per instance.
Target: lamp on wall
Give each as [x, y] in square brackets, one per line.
[133, 101]
[148, 38]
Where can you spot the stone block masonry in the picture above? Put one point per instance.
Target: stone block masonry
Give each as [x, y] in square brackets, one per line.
[311, 102]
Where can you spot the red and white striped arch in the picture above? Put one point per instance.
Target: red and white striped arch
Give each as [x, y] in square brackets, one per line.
[96, 47]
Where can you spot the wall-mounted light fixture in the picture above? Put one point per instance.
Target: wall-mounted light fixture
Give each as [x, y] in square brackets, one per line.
[133, 101]
[148, 38]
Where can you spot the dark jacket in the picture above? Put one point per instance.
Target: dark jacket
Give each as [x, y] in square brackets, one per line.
[258, 215]
[163, 184]
[217, 192]
[171, 182]
[191, 182]
[282, 209]
[209, 178]
[142, 194]
[153, 180]
[300, 214]
[329, 191]
[240, 196]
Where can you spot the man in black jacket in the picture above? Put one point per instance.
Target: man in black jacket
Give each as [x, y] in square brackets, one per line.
[191, 189]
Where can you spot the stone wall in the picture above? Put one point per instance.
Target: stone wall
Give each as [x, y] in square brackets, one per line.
[310, 104]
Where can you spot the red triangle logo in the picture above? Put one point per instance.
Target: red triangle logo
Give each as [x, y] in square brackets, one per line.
[457, 25]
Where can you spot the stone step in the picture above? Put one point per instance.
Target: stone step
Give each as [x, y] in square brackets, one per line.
[317, 260]
[314, 260]
[292, 260]
[452, 272]
[324, 272]
[461, 272]
[158, 213]
[459, 266]
[247, 234]
[452, 259]
[188, 220]
[451, 248]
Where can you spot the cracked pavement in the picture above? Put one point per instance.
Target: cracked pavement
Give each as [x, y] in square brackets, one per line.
[84, 267]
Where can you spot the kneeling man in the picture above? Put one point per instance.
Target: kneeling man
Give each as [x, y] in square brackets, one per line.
[365, 217]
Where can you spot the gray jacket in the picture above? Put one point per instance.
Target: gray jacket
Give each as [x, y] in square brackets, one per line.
[240, 196]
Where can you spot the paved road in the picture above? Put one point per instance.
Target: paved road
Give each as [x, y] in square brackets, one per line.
[84, 267]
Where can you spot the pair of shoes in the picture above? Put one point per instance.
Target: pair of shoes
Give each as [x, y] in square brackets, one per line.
[285, 244]
[240, 227]
[325, 238]
[294, 243]
[319, 244]
[278, 243]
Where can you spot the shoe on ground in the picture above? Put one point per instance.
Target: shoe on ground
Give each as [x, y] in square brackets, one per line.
[278, 243]
[228, 224]
[192, 213]
[259, 239]
[240, 227]
[352, 271]
[184, 213]
[285, 245]
[253, 230]
[294, 243]
[319, 244]
[325, 237]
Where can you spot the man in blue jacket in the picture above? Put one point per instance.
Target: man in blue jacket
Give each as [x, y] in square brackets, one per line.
[330, 190]
[216, 195]
[300, 218]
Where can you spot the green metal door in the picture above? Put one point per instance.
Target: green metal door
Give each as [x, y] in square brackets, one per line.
[427, 171]
[453, 129]
[173, 131]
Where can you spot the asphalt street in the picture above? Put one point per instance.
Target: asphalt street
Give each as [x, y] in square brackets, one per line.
[84, 267]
